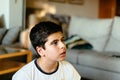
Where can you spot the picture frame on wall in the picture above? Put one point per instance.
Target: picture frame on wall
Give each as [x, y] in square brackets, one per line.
[79, 2]
[62, 1]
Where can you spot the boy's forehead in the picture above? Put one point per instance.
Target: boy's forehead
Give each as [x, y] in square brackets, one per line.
[55, 35]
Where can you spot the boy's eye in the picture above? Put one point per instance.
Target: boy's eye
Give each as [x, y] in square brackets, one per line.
[54, 42]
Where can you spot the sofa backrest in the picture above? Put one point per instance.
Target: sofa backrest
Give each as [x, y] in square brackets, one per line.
[114, 41]
[2, 33]
[95, 31]
[10, 36]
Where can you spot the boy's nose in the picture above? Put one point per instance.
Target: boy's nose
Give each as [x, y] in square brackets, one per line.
[62, 45]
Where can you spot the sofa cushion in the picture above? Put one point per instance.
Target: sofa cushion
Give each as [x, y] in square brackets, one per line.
[11, 36]
[2, 33]
[99, 61]
[72, 55]
[93, 30]
[114, 41]
[75, 42]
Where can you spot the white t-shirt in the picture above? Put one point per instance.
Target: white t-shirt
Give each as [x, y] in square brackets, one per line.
[32, 71]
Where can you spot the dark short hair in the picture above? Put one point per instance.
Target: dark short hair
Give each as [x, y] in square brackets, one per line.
[40, 32]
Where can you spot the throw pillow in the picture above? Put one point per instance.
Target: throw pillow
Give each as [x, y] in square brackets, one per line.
[75, 42]
[2, 33]
[11, 36]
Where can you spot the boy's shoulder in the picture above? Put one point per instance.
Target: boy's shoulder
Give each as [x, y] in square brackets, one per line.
[28, 65]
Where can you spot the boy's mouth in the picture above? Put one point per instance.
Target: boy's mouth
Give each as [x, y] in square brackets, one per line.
[63, 53]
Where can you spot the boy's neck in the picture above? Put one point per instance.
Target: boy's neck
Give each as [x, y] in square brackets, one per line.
[46, 66]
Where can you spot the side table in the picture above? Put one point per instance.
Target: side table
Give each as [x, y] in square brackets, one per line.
[9, 66]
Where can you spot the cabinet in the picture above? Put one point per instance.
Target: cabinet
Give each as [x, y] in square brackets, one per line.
[109, 8]
[118, 8]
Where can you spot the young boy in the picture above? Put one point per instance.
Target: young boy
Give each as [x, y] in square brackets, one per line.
[48, 41]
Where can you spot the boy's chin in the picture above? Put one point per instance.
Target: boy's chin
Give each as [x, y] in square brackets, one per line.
[62, 59]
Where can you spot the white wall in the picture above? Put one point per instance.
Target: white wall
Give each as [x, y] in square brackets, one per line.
[16, 13]
[12, 10]
[88, 9]
[4, 11]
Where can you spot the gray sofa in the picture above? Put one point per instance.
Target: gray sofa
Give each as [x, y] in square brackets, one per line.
[103, 61]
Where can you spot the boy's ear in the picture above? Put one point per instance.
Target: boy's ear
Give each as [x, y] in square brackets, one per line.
[40, 51]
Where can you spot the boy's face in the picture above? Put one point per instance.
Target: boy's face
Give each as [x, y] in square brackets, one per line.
[55, 48]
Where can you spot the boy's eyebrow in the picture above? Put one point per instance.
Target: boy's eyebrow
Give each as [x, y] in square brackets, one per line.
[57, 40]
